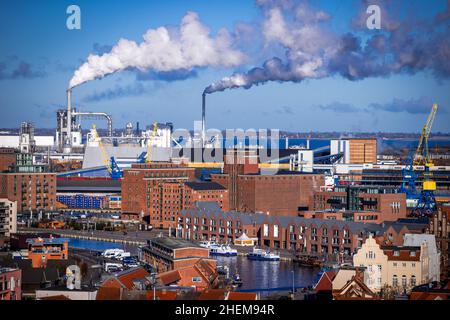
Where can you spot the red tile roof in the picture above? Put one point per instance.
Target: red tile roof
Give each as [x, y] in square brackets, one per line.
[126, 277]
[169, 277]
[108, 293]
[325, 282]
[404, 253]
[162, 295]
[242, 296]
[213, 294]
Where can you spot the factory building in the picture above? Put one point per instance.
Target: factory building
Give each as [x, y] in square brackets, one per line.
[385, 202]
[355, 150]
[89, 193]
[26, 141]
[251, 191]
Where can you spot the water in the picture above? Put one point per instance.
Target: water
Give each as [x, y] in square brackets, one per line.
[268, 274]
[254, 274]
[100, 245]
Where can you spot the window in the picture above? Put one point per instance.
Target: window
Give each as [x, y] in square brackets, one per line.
[275, 231]
[412, 254]
[196, 279]
[394, 281]
[413, 281]
[266, 230]
[404, 281]
[396, 253]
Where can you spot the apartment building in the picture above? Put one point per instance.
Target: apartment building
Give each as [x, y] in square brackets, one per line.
[8, 217]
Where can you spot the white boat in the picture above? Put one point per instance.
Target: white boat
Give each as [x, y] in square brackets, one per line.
[262, 255]
[218, 249]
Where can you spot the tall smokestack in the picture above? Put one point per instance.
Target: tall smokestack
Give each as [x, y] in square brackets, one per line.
[69, 115]
[203, 119]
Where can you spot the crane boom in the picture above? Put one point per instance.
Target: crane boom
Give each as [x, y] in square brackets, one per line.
[105, 156]
[150, 144]
[422, 156]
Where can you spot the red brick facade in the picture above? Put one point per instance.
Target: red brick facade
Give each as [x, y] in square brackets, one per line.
[32, 191]
[280, 194]
[10, 284]
[158, 192]
[295, 233]
[389, 206]
[154, 191]
[8, 158]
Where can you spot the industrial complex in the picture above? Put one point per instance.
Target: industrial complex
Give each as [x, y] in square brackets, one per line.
[147, 211]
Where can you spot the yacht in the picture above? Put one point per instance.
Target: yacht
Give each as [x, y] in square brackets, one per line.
[263, 255]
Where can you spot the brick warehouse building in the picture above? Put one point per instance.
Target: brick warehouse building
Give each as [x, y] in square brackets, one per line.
[158, 192]
[32, 191]
[385, 202]
[31, 185]
[206, 222]
[283, 193]
[173, 253]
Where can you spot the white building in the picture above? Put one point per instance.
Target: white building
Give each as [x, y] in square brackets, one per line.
[434, 256]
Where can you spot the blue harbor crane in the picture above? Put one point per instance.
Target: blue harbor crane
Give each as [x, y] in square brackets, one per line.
[426, 202]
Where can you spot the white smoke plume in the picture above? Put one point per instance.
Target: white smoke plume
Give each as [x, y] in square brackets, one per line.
[162, 51]
[314, 50]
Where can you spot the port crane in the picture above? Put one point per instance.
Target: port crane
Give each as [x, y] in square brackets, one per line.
[148, 158]
[426, 202]
[109, 162]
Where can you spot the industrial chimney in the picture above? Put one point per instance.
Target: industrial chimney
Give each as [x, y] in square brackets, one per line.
[203, 119]
[69, 116]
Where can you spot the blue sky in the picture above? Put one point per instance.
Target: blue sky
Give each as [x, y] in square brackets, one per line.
[36, 39]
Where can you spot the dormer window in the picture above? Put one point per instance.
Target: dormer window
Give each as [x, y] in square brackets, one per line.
[396, 253]
[412, 254]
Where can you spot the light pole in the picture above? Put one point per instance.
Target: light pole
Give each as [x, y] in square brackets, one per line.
[153, 281]
[293, 284]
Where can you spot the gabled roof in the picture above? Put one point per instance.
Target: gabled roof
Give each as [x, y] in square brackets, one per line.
[169, 277]
[325, 282]
[126, 278]
[354, 289]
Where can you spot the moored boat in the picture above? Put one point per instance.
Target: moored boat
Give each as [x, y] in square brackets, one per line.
[218, 249]
[262, 255]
